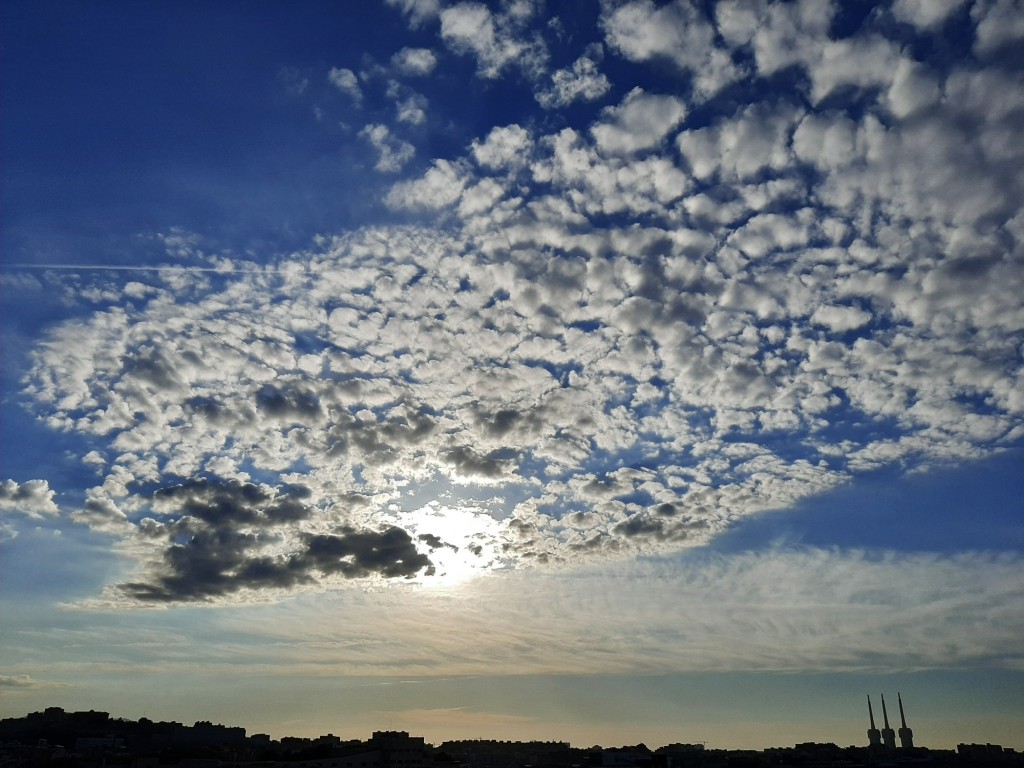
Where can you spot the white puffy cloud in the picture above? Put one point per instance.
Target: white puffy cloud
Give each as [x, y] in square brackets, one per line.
[496, 40]
[826, 140]
[783, 35]
[737, 20]
[862, 62]
[790, 33]
[583, 81]
[417, 11]
[753, 143]
[1000, 25]
[414, 62]
[33, 498]
[505, 146]
[469, 25]
[926, 14]
[912, 89]
[411, 110]
[640, 122]
[841, 319]
[594, 184]
[676, 31]
[345, 80]
[440, 186]
[392, 153]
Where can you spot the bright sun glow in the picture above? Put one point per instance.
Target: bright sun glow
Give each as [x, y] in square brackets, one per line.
[466, 544]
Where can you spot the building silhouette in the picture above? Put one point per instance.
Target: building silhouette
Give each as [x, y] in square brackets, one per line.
[58, 739]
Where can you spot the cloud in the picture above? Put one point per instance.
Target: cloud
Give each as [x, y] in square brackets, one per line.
[213, 539]
[439, 187]
[926, 14]
[640, 122]
[33, 498]
[999, 26]
[583, 81]
[699, 613]
[392, 153]
[523, 376]
[414, 62]
[497, 40]
[746, 147]
[861, 62]
[14, 683]
[786, 34]
[417, 11]
[411, 110]
[506, 146]
[677, 32]
[293, 79]
[840, 319]
[604, 340]
[345, 80]
[912, 90]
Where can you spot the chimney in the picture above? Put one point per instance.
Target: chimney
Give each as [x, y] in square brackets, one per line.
[906, 735]
[874, 737]
[888, 734]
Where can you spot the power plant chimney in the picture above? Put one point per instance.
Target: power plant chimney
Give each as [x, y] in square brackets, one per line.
[888, 734]
[874, 737]
[906, 735]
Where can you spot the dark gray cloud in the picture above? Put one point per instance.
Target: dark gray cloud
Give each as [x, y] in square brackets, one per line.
[227, 502]
[219, 538]
[389, 553]
[299, 404]
[150, 366]
[642, 525]
[435, 542]
[468, 462]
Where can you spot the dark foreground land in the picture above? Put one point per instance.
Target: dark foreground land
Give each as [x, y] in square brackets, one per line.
[58, 739]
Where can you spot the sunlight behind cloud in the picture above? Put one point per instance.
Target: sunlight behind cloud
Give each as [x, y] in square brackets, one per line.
[462, 542]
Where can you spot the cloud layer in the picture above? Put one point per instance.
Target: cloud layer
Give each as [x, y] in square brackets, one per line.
[777, 610]
[613, 338]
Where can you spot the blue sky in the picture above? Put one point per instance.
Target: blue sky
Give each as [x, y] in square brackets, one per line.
[601, 371]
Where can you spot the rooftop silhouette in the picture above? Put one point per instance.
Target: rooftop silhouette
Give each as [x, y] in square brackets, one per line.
[91, 739]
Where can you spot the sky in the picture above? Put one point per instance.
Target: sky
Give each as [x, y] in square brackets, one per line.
[595, 371]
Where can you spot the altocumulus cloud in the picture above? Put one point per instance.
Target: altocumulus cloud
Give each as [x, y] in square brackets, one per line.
[624, 337]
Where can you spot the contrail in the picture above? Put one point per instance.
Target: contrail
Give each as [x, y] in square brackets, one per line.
[133, 268]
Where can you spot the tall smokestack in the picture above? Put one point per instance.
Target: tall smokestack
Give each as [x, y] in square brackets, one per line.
[906, 735]
[888, 734]
[874, 737]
